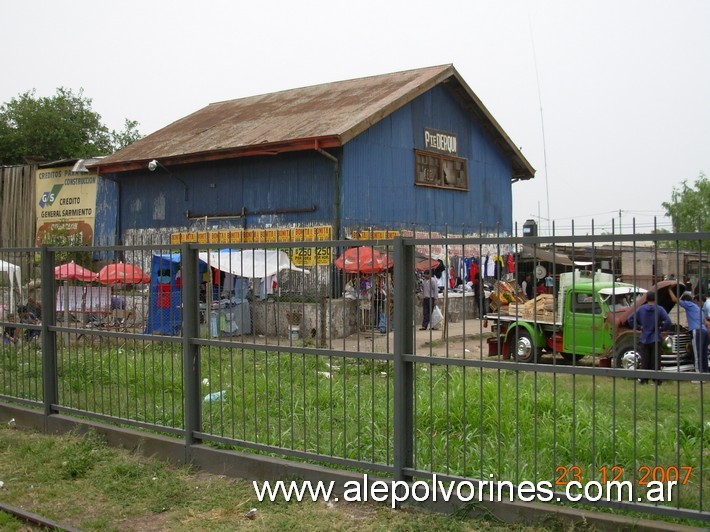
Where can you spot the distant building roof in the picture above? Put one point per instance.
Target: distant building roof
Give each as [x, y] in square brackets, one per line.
[320, 116]
[78, 165]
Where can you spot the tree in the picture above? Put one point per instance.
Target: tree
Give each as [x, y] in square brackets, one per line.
[59, 127]
[689, 208]
[130, 134]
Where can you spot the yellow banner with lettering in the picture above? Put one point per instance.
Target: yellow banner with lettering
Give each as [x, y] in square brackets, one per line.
[65, 205]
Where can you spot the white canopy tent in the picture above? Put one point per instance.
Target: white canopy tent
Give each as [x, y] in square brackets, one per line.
[250, 262]
[15, 275]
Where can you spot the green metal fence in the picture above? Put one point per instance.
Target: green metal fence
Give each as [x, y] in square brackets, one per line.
[353, 381]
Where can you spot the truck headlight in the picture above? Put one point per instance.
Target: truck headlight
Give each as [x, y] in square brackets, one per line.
[668, 344]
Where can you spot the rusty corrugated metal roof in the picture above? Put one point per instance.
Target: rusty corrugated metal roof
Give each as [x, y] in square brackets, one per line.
[326, 115]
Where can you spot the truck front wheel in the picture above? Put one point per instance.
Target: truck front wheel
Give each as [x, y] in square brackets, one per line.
[627, 357]
[521, 347]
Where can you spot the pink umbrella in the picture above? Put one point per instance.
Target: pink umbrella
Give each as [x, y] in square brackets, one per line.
[73, 272]
[121, 273]
[363, 260]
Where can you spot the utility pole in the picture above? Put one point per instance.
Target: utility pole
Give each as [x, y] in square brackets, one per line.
[620, 231]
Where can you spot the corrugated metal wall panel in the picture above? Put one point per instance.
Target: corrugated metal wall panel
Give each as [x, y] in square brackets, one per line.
[106, 219]
[378, 172]
[283, 182]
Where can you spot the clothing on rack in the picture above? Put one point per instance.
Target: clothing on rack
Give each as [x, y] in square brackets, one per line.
[473, 271]
[490, 267]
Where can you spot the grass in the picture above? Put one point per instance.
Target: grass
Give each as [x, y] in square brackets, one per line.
[470, 422]
[81, 482]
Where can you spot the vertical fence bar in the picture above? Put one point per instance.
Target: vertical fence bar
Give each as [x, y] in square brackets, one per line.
[190, 351]
[403, 418]
[49, 338]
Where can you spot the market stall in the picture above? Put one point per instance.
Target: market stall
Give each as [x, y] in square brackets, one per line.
[14, 274]
[224, 276]
[370, 284]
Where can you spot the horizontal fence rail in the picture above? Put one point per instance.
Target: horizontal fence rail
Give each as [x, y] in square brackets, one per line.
[406, 357]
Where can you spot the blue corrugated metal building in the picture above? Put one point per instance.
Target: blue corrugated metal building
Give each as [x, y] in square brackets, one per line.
[409, 149]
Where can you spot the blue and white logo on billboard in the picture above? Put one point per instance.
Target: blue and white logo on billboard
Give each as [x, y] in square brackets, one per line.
[48, 197]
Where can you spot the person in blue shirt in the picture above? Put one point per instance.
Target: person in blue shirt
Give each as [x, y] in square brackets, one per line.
[28, 317]
[706, 309]
[652, 319]
[697, 328]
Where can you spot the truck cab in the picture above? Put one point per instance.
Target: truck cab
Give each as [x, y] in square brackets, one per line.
[585, 327]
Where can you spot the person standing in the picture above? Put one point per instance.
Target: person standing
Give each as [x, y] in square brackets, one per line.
[706, 309]
[430, 295]
[550, 284]
[527, 286]
[540, 288]
[697, 328]
[652, 319]
[9, 334]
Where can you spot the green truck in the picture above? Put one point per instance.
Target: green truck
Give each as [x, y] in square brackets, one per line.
[589, 317]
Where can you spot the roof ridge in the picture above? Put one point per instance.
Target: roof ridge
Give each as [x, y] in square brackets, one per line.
[441, 67]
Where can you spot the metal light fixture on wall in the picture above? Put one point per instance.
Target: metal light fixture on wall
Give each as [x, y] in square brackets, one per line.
[154, 164]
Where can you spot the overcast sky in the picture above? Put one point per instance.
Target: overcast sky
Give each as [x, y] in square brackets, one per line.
[622, 87]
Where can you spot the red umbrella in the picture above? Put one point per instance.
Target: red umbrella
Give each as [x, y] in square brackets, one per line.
[363, 260]
[427, 264]
[122, 274]
[73, 272]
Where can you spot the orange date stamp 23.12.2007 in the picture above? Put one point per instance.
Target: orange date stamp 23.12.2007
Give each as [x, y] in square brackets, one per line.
[642, 476]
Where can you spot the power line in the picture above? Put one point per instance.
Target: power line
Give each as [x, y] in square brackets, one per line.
[613, 214]
[608, 227]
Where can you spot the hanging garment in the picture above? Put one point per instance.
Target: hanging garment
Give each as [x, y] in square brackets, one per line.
[266, 286]
[467, 269]
[490, 267]
[228, 284]
[473, 271]
[500, 265]
[455, 261]
[163, 295]
[441, 281]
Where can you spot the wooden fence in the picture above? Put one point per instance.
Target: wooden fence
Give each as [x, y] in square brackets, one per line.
[17, 212]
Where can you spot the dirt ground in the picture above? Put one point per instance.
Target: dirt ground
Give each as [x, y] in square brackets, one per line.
[465, 339]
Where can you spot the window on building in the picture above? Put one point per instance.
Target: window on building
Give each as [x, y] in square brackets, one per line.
[438, 170]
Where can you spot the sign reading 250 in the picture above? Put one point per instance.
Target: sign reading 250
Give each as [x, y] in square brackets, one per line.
[49, 197]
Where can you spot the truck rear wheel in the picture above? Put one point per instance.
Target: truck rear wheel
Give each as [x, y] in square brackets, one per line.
[627, 357]
[522, 348]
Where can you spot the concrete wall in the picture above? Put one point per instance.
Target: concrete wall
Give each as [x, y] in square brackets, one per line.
[458, 308]
[336, 318]
[329, 318]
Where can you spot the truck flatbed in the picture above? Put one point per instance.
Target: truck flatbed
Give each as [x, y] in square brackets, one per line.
[510, 319]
